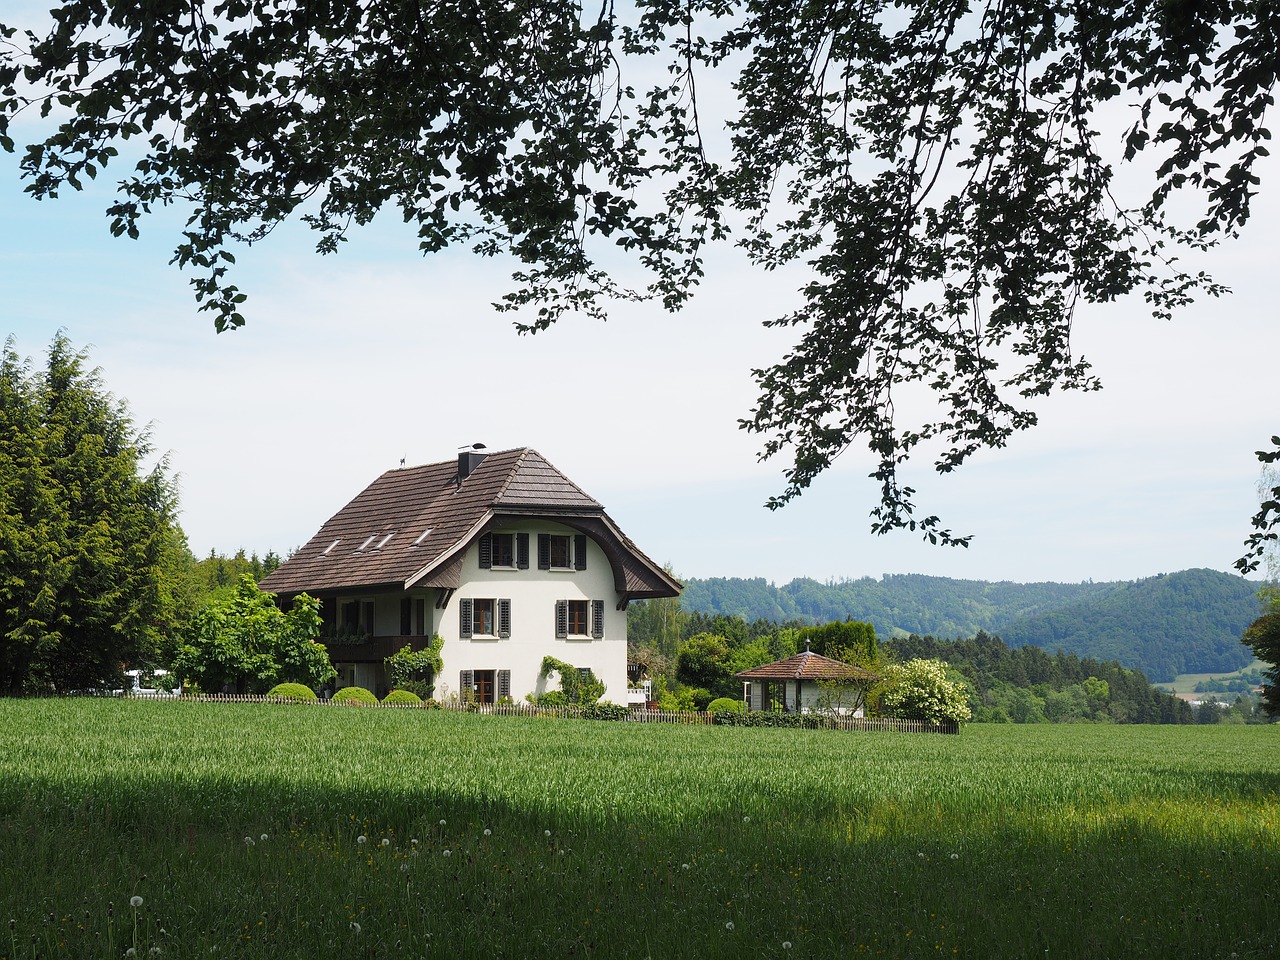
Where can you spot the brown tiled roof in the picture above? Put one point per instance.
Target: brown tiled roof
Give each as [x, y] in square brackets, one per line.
[806, 666]
[377, 540]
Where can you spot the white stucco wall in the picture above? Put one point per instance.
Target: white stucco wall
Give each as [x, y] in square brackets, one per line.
[533, 594]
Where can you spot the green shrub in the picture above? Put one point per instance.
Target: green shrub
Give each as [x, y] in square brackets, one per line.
[725, 705]
[297, 692]
[604, 710]
[402, 696]
[355, 696]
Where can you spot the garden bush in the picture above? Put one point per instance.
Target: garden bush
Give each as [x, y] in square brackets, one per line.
[552, 698]
[725, 705]
[298, 692]
[604, 710]
[355, 696]
[402, 696]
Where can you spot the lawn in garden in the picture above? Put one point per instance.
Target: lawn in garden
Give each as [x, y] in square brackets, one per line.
[184, 829]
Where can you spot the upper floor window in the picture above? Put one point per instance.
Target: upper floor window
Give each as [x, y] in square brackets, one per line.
[484, 617]
[579, 619]
[504, 550]
[562, 551]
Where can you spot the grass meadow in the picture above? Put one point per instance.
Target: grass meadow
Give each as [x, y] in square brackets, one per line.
[181, 829]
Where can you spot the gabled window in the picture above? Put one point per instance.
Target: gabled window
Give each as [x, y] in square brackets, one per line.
[561, 551]
[579, 619]
[484, 617]
[504, 550]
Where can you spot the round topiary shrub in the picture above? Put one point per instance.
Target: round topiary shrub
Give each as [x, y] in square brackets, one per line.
[402, 696]
[725, 705]
[356, 697]
[297, 692]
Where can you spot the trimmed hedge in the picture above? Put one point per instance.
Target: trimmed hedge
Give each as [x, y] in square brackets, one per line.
[297, 692]
[355, 696]
[726, 705]
[605, 711]
[402, 696]
[767, 718]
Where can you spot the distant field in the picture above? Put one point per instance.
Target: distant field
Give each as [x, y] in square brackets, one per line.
[1186, 682]
[258, 831]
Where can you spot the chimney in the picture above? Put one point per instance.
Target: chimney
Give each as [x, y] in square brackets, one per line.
[468, 459]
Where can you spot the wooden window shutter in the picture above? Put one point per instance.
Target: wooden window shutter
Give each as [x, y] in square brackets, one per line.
[522, 551]
[580, 552]
[544, 551]
[464, 618]
[406, 616]
[504, 684]
[562, 619]
[466, 684]
[597, 619]
[486, 551]
[504, 619]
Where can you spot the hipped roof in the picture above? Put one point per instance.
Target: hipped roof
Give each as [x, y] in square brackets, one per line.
[806, 666]
[411, 528]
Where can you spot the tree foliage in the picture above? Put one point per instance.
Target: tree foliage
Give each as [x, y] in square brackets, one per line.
[920, 690]
[246, 644]
[945, 169]
[88, 543]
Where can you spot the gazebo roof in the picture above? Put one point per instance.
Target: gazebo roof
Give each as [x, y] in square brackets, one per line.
[806, 666]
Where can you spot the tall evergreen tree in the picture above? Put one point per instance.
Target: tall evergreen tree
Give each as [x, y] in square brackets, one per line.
[87, 535]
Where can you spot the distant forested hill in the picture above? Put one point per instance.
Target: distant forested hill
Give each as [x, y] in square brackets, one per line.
[1173, 623]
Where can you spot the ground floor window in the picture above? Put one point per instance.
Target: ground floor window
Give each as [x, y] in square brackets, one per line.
[485, 686]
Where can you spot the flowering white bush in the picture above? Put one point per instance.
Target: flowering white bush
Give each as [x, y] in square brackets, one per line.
[920, 690]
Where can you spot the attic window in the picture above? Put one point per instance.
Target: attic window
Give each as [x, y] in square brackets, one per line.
[422, 536]
[365, 545]
[383, 542]
[331, 546]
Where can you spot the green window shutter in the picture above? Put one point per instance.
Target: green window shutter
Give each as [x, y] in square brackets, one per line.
[544, 551]
[562, 619]
[504, 619]
[522, 551]
[486, 551]
[580, 552]
[504, 684]
[464, 619]
[466, 684]
[597, 619]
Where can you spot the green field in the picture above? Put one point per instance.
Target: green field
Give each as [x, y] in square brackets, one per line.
[1186, 682]
[240, 829]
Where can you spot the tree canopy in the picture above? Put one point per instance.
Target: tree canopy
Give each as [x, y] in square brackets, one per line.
[88, 543]
[947, 170]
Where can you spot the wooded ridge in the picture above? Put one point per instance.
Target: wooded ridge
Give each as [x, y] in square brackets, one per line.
[1185, 622]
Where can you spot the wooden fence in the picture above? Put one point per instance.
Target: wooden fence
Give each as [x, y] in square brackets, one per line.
[695, 718]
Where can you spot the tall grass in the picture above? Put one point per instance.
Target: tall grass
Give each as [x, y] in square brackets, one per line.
[240, 828]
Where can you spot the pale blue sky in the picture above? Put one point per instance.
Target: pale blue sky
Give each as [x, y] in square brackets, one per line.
[353, 361]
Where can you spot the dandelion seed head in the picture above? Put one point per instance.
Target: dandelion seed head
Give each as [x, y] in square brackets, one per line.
[546, 833]
[488, 832]
[442, 823]
[135, 902]
[131, 952]
[786, 944]
[728, 925]
[746, 819]
[362, 839]
[955, 856]
[248, 841]
[684, 866]
[448, 853]
[263, 838]
[386, 842]
[355, 927]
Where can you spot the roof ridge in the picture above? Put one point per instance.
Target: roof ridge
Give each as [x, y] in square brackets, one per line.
[512, 470]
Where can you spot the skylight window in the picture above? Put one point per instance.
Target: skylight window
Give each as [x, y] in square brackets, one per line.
[365, 545]
[383, 542]
[423, 535]
[331, 546]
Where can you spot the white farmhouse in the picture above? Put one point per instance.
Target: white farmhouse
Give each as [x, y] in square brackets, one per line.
[500, 554]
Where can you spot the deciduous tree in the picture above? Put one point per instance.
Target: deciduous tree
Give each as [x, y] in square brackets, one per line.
[946, 169]
[245, 643]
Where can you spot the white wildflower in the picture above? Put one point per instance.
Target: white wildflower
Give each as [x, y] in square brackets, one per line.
[448, 853]
[386, 842]
[355, 927]
[135, 902]
[488, 832]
